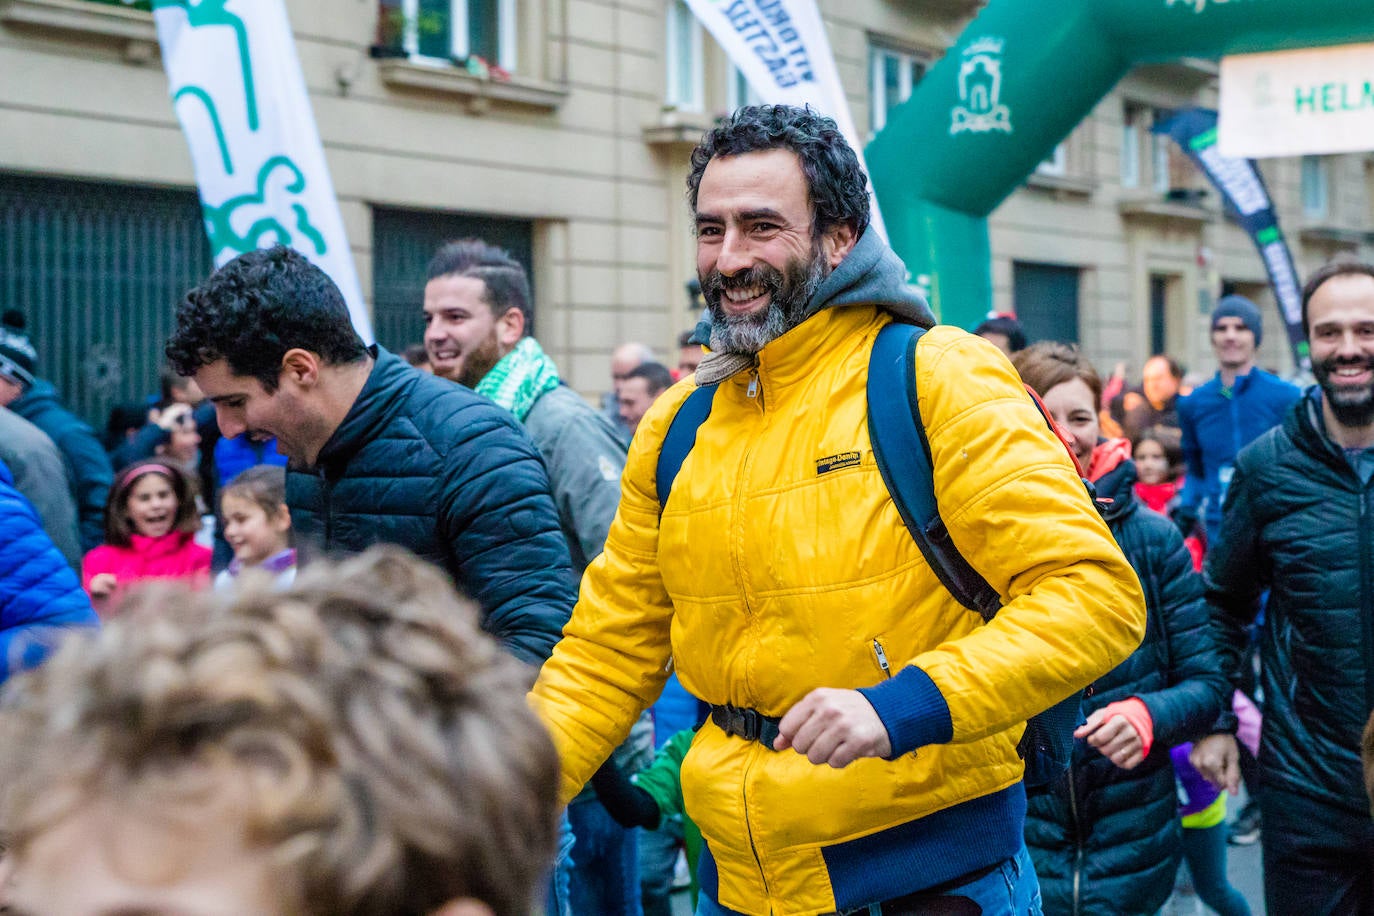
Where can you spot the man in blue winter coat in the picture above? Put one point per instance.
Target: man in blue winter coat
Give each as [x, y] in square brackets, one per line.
[1223, 416]
[380, 452]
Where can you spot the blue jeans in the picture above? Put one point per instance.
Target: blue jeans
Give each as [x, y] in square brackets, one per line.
[1011, 889]
[605, 863]
[657, 856]
[558, 902]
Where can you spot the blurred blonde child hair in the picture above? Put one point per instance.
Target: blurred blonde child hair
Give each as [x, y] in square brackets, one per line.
[352, 745]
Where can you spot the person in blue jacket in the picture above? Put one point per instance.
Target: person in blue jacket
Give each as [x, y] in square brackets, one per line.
[1220, 418]
[40, 596]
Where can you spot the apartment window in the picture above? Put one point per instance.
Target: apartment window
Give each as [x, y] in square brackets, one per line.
[685, 82]
[452, 29]
[1056, 164]
[1045, 297]
[1133, 118]
[1160, 180]
[738, 91]
[892, 76]
[1315, 187]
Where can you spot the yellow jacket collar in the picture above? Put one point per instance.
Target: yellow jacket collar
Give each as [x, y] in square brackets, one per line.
[793, 355]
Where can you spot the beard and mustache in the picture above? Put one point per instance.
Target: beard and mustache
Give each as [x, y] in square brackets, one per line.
[789, 292]
[1351, 406]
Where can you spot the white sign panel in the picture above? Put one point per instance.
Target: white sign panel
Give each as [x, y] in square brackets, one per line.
[781, 48]
[1293, 103]
[237, 88]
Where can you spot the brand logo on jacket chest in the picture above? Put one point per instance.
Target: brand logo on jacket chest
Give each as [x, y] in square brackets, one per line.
[837, 462]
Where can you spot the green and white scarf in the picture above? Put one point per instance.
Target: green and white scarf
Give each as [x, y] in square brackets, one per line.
[519, 378]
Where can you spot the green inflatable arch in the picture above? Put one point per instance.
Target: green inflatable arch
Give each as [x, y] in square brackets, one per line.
[1020, 77]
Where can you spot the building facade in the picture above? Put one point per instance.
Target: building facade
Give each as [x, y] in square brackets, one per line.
[561, 129]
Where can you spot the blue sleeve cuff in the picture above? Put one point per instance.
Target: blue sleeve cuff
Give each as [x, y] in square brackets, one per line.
[912, 710]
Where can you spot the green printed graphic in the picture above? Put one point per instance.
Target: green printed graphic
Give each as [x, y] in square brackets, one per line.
[219, 219]
[1022, 75]
[196, 92]
[202, 13]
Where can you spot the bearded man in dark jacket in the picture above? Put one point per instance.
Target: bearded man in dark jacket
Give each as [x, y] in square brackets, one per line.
[1299, 519]
[380, 452]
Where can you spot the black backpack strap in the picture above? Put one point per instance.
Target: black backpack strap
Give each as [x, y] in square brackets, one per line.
[681, 436]
[904, 460]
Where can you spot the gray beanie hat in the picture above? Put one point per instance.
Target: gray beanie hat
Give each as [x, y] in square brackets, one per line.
[17, 355]
[1242, 308]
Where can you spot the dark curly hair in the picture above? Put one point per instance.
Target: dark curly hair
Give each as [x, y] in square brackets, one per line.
[836, 184]
[255, 308]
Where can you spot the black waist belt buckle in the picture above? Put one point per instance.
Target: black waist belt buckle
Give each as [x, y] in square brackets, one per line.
[749, 724]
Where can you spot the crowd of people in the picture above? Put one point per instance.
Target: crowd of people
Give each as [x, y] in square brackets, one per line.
[716, 623]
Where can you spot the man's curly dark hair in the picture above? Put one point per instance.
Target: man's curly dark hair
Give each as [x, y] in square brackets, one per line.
[255, 308]
[836, 183]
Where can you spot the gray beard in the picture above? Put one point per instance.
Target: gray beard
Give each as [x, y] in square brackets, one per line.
[748, 334]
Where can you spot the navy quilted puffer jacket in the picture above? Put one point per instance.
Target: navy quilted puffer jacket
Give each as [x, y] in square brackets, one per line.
[1105, 841]
[433, 467]
[1300, 522]
[40, 596]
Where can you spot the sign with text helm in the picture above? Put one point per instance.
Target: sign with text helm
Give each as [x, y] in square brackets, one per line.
[238, 91]
[781, 48]
[1293, 103]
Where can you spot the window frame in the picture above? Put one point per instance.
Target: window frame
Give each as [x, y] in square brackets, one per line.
[684, 98]
[1056, 164]
[1161, 182]
[460, 42]
[735, 96]
[1129, 163]
[1315, 180]
[909, 59]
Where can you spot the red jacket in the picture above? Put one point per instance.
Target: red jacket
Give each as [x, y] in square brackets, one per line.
[172, 556]
[1161, 497]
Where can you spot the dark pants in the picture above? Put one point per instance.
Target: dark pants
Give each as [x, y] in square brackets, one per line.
[1204, 849]
[1318, 860]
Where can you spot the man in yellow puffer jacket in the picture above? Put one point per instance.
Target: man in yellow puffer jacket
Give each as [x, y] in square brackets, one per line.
[779, 577]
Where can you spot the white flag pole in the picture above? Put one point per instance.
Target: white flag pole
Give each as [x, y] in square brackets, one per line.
[238, 91]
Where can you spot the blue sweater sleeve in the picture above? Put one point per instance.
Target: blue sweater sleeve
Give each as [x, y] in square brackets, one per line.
[912, 709]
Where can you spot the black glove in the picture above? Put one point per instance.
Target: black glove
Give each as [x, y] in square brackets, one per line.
[1186, 518]
[625, 802]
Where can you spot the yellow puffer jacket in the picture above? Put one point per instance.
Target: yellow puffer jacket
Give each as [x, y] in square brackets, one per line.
[781, 565]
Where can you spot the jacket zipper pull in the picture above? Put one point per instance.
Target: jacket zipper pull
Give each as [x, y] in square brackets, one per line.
[753, 389]
[882, 658]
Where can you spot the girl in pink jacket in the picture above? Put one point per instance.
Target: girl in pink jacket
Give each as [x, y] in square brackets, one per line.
[150, 526]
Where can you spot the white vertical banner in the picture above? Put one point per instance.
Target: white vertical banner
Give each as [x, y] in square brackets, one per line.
[781, 48]
[238, 91]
